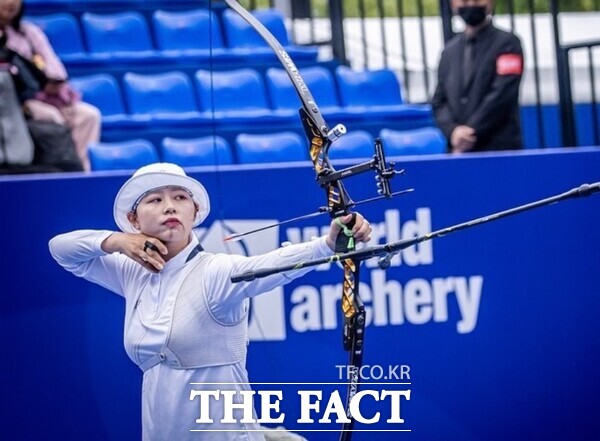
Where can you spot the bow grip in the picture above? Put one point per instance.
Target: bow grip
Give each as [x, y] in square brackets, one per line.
[345, 241]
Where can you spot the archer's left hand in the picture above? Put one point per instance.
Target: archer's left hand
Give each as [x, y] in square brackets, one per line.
[361, 231]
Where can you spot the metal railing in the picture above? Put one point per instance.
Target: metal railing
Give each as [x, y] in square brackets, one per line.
[566, 86]
[388, 35]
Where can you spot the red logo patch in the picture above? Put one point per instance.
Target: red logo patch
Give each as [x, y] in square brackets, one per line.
[509, 64]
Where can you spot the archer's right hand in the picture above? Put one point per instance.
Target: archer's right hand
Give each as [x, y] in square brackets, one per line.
[134, 247]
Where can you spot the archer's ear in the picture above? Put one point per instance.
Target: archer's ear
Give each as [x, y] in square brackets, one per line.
[133, 220]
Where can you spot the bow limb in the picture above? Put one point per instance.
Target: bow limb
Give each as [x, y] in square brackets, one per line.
[320, 137]
[308, 102]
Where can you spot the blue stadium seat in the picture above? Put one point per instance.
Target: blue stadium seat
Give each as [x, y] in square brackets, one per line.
[236, 96]
[102, 91]
[240, 34]
[167, 97]
[353, 145]
[63, 33]
[126, 155]
[274, 147]
[376, 95]
[319, 81]
[207, 150]
[368, 88]
[239, 89]
[423, 141]
[187, 30]
[120, 35]
[243, 38]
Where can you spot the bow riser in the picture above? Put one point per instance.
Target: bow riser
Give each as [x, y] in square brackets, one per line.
[338, 200]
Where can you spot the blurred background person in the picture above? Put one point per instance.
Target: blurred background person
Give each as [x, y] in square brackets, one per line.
[56, 101]
[476, 101]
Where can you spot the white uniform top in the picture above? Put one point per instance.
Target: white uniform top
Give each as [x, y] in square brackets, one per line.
[167, 411]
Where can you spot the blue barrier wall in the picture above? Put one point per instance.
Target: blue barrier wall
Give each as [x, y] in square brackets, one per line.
[544, 129]
[498, 324]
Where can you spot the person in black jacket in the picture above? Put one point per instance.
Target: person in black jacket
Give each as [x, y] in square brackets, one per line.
[476, 101]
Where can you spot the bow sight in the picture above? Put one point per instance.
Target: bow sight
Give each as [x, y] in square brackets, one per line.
[384, 172]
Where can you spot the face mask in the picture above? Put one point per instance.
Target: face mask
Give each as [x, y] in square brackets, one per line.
[472, 15]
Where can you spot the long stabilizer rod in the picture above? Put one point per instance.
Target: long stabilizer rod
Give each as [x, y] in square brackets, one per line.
[390, 249]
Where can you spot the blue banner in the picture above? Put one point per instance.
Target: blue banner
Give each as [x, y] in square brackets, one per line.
[484, 334]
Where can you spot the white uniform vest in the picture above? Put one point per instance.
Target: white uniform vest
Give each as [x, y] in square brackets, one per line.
[196, 338]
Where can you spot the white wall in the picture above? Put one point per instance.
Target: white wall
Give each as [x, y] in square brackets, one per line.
[575, 27]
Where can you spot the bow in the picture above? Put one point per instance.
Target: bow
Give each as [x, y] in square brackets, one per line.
[320, 137]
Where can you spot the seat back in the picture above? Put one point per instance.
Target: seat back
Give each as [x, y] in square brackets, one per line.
[273, 147]
[197, 151]
[183, 30]
[120, 32]
[426, 140]
[238, 33]
[239, 89]
[355, 144]
[283, 95]
[102, 91]
[62, 31]
[368, 88]
[169, 92]
[126, 155]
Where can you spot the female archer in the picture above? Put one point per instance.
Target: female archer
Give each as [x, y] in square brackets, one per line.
[185, 321]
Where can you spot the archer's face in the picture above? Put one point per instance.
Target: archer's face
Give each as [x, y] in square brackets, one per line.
[167, 214]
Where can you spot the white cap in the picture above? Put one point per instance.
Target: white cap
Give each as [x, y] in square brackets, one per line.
[152, 177]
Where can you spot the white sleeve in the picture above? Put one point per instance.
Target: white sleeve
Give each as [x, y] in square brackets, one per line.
[80, 253]
[221, 290]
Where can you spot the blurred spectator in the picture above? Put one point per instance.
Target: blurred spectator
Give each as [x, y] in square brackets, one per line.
[16, 146]
[56, 101]
[476, 101]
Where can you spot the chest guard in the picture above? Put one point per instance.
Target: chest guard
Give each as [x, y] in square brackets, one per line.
[196, 338]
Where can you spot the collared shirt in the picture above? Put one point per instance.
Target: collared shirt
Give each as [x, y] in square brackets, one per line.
[168, 413]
